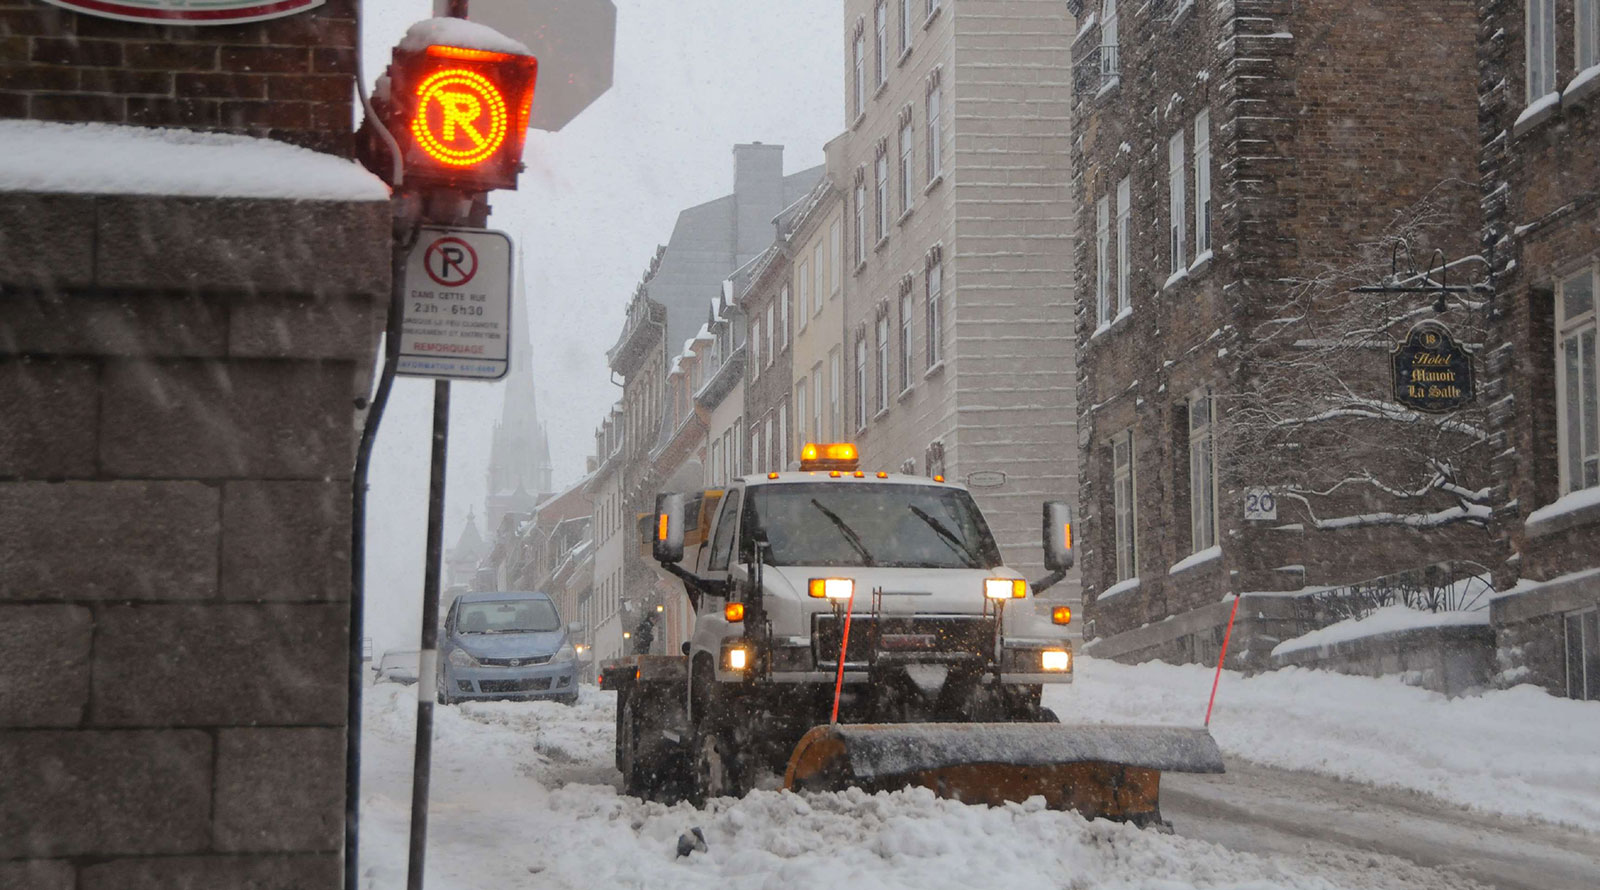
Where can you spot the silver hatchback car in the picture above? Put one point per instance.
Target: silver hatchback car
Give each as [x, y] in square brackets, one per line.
[504, 644]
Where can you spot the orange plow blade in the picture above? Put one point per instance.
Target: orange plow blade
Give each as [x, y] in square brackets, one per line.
[1111, 772]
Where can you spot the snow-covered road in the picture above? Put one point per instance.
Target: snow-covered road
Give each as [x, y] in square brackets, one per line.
[524, 795]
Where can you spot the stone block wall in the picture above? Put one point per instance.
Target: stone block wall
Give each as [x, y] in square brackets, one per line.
[179, 381]
[290, 78]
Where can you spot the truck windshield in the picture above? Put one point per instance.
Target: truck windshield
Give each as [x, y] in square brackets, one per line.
[835, 524]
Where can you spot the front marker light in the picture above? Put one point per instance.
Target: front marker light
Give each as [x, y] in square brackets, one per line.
[832, 588]
[733, 612]
[1005, 588]
[1061, 615]
[1055, 660]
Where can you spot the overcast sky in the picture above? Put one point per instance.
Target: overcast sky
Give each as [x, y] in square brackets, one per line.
[692, 78]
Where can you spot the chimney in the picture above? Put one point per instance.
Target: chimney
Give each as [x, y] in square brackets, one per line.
[757, 197]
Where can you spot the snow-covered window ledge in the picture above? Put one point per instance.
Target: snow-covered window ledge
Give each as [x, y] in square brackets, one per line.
[1571, 511]
[1210, 554]
[1113, 324]
[1118, 589]
[934, 370]
[1201, 263]
[1539, 111]
[1583, 86]
[1175, 277]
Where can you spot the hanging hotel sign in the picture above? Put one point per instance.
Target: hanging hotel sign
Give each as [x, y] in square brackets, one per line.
[1432, 372]
[188, 12]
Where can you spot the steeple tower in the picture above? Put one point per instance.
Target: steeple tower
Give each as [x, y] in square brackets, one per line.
[520, 470]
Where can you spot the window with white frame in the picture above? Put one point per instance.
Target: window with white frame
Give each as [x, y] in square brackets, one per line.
[1583, 654]
[906, 24]
[861, 382]
[1102, 261]
[1541, 48]
[1175, 195]
[1124, 505]
[819, 279]
[816, 403]
[803, 286]
[858, 58]
[1586, 33]
[835, 381]
[783, 313]
[933, 291]
[882, 330]
[1202, 472]
[758, 458]
[772, 347]
[836, 255]
[880, 186]
[1124, 241]
[770, 459]
[880, 20]
[906, 140]
[1202, 182]
[1578, 399]
[935, 150]
[783, 435]
[1110, 64]
[802, 407]
[906, 314]
[755, 349]
[861, 217]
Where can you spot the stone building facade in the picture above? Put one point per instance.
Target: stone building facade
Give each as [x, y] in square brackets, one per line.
[1539, 95]
[957, 254]
[1224, 157]
[181, 378]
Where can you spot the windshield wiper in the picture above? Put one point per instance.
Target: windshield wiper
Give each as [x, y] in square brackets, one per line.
[956, 544]
[850, 536]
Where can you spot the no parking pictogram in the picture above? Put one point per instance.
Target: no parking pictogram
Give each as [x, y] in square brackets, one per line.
[457, 314]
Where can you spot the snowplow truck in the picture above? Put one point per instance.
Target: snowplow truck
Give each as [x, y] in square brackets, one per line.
[860, 629]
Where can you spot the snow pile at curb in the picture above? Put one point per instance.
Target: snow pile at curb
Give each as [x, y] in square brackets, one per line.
[1518, 752]
[1389, 619]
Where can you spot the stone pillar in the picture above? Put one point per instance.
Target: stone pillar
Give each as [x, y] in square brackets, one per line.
[178, 419]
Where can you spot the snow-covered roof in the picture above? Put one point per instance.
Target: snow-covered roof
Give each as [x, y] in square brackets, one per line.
[462, 33]
[112, 159]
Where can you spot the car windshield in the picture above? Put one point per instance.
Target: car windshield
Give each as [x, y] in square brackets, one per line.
[508, 617]
[883, 524]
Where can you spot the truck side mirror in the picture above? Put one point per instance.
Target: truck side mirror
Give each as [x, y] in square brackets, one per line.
[667, 545]
[1057, 536]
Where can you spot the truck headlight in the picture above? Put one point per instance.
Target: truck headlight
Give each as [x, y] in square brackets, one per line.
[736, 657]
[832, 588]
[1055, 660]
[1005, 588]
[461, 659]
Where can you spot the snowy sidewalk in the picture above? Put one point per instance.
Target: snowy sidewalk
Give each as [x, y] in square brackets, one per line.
[1517, 752]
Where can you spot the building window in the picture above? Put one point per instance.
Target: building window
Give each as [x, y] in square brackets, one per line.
[1202, 182]
[801, 406]
[861, 382]
[835, 381]
[783, 435]
[819, 278]
[880, 186]
[1175, 194]
[859, 71]
[1583, 654]
[905, 340]
[1124, 241]
[836, 250]
[767, 456]
[861, 217]
[783, 313]
[1124, 505]
[880, 20]
[935, 152]
[934, 291]
[906, 24]
[1578, 405]
[816, 403]
[1541, 49]
[1110, 66]
[906, 140]
[755, 348]
[883, 358]
[758, 458]
[772, 347]
[1102, 262]
[1586, 19]
[1202, 473]
[803, 286]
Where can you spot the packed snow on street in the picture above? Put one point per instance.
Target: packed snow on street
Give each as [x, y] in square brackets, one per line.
[525, 795]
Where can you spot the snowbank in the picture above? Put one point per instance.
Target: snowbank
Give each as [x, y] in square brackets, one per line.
[1518, 752]
[1388, 619]
[110, 159]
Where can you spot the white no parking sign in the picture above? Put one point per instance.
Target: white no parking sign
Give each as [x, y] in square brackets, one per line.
[456, 320]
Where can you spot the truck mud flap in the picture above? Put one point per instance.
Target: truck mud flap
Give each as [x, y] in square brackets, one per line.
[1101, 771]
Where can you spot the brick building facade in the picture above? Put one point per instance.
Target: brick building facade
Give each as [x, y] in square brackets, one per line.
[1539, 94]
[1225, 157]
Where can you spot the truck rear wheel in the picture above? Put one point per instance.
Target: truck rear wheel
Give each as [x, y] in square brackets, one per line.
[718, 769]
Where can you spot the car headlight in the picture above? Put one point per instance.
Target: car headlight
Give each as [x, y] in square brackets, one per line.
[565, 653]
[461, 659]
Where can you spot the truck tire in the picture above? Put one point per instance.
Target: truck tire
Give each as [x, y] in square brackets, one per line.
[718, 769]
[628, 747]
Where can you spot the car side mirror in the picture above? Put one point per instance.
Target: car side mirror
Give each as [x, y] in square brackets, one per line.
[1058, 555]
[668, 539]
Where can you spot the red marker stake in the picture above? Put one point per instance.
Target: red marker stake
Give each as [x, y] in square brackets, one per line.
[1226, 636]
[838, 680]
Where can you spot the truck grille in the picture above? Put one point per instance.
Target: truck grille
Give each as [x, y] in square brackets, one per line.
[906, 637]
